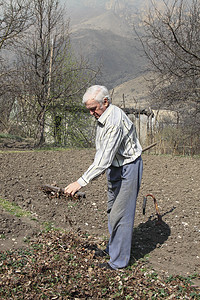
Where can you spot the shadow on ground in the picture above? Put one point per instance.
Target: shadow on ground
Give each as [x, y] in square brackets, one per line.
[148, 236]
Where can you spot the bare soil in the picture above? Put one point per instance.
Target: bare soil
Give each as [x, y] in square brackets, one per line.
[172, 247]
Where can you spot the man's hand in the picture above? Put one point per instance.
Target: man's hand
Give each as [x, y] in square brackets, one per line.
[72, 188]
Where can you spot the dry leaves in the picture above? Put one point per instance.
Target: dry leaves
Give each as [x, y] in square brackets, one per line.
[63, 266]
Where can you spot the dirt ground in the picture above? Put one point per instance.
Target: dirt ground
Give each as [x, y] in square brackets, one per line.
[172, 247]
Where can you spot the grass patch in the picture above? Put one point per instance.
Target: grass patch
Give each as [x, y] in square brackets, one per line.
[17, 211]
[34, 150]
[51, 148]
[14, 209]
[14, 151]
[11, 136]
[49, 226]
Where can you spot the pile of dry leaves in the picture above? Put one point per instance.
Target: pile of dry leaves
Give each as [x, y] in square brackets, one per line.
[63, 266]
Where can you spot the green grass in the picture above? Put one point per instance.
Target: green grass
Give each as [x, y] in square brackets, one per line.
[14, 209]
[11, 136]
[42, 149]
[49, 226]
[58, 148]
[17, 211]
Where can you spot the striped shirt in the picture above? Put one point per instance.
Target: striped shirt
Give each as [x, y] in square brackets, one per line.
[116, 143]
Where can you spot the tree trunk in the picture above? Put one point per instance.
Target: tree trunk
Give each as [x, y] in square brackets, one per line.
[41, 122]
[6, 105]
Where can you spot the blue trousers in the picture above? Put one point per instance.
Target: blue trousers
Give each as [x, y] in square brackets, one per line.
[123, 187]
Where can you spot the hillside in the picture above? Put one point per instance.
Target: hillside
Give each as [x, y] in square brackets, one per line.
[135, 92]
[103, 34]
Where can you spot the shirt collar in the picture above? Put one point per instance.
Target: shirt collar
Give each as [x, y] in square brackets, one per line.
[106, 113]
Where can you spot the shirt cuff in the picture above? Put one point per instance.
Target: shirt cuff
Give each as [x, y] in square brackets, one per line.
[82, 182]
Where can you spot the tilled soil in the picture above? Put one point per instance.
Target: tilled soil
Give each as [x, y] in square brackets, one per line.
[172, 247]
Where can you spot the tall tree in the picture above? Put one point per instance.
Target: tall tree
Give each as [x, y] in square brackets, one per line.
[48, 74]
[171, 42]
[15, 18]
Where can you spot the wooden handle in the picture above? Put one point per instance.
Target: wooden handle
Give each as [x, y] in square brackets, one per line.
[148, 147]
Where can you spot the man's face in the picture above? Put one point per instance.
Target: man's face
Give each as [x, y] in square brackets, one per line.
[96, 109]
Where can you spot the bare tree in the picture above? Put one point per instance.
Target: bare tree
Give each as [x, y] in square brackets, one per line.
[170, 39]
[8, 92]
[49, 74]
[15, 18]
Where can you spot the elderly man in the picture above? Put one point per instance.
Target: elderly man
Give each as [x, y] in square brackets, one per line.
[118, 151]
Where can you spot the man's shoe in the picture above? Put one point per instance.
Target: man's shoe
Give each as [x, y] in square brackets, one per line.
[101, 253]
[106, 266]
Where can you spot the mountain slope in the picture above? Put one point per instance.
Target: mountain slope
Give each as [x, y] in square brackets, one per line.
[135, 92]
[108, 41]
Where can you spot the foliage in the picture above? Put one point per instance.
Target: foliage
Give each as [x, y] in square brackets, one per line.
[10, 136]
[68, 122]
[74, 129]
[44, 75]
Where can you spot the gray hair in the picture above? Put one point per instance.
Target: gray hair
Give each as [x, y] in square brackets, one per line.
[96, 92]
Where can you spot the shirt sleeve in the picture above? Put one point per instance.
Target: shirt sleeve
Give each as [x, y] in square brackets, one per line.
[104, 156]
